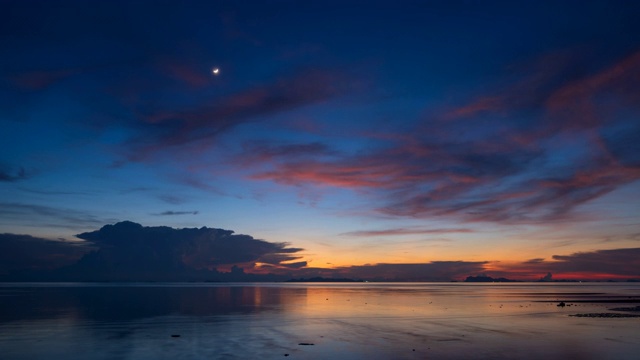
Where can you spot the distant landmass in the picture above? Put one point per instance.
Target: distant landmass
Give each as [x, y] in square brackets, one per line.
[484, 278]
[321, 279]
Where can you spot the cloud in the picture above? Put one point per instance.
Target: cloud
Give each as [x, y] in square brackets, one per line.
[8, 174]
[418, 179]
[560, 95]
[534, 261]
[47, 216]
[624, 146]
[170, 213]
[52, 192]
[260, 151]
[41, 79]
[192, 75]
[581, 102]
[594, 265]
[127, 251]
[430, 271]
[548, 140]
[620, 262]
[392, 232]
[172, 199]
[25, 252]
[478, 106]
[433, 271]
[171, 128]
[131, 251]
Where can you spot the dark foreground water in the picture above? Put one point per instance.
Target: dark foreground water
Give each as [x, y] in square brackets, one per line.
[342, 321]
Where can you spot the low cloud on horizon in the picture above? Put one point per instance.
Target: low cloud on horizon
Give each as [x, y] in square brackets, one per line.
[127, 251]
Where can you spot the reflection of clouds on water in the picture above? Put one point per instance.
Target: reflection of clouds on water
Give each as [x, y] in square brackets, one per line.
[342, 320]
[119, 303]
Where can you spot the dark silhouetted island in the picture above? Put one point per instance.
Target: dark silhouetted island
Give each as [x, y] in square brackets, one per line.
[321, 279]
[484, 278]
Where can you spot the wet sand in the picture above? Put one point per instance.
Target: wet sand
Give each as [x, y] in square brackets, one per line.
[319, 321]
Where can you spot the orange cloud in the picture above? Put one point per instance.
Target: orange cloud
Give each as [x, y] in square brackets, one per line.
[594, 265]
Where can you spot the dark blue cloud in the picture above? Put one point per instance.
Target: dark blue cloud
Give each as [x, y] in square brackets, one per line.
[159, 129]
[131, 251]
[171, 213]
[608, 264]
[622, 262]
[128, 251]
[625, 146]
[8, 174]
[47, 216]
[431, 271]
[28, 253]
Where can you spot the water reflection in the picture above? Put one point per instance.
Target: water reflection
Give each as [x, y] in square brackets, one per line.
[130, 302]
[345, 321]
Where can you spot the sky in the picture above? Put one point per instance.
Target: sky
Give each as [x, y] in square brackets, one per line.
[403, 140]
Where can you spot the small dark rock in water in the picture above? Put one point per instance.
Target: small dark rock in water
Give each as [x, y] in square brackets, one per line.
[562, 304]
[286, 354]
[306, 344]
[634, 309]
[606, 315]
[175, 335]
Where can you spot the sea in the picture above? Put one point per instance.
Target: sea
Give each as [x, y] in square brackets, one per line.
[93, 321]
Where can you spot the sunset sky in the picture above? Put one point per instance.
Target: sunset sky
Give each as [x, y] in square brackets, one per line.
[368, 135]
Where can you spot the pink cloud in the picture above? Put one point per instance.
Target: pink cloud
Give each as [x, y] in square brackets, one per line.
[580, 94]
[483, 104]
[38, 80]
[596, 265]
[504, 174]
[394, 232]
[190, 75]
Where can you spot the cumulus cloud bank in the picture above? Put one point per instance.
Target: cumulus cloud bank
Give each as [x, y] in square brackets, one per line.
[128, 249]
[25, 252]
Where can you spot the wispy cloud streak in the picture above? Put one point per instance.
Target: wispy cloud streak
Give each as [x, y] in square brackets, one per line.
[177, 128]
[172, 213]
[8, 174]
[524, 154]
[393, 232]
[34, 215]
[598, 264]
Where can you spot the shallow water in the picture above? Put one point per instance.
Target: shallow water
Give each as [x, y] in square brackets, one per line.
[341, 320]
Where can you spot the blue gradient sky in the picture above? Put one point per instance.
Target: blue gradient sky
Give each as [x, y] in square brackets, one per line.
[369, 132]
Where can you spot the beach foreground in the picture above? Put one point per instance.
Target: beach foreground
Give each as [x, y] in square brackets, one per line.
[320, 321]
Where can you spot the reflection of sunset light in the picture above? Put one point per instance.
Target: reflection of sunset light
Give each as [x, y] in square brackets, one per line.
[257, 296]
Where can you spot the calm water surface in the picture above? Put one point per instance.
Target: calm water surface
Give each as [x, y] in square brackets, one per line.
[342, 321]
